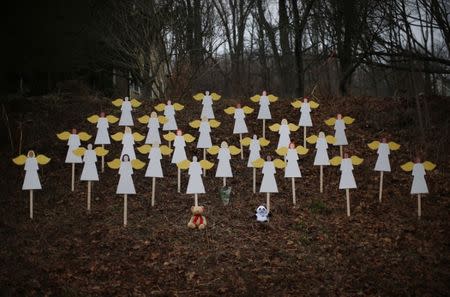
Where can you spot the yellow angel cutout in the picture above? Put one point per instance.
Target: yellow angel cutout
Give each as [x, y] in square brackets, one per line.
[133, 102]
[298, 103]
[136, 136]
[339, 126]
[201, 96]
[99, 151]
[314, 138]
[212, 123]
[185, 164]
[268, 183]
[22, 159]
[146, 148]
[354, 160]
[135, 164]
[171, 136]
[67, 135]
[162, 106]
[347, 120]
[257, 98]
[284, 130]
[232, 110]
[94, 119]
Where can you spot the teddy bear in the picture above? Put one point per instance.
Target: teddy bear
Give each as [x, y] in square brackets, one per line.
[197, 219]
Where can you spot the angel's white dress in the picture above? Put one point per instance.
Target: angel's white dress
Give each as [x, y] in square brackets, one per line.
[239, 122]
[292, 169]
[128, 146]
[224, 167]
[341, 138]
[347, 179]
[284, 139]
[305, 115]
[269, 183]
[102, 136]
[154, 168]
[419, 185]
[204, 140]
[126, 119]
[179, 154]
[73, 143]
[171, 123]
[254, 151]
[31, 181]
[383, 158]
[126, 185]
[321, 157]
[264, 111]
[207, 110]
[153, 132]
[89, 172]
[195, 184]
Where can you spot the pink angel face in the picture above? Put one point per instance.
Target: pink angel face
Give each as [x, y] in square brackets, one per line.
[345, 156]
[89, 146]
[269, 158]
[207, 93]
[417, 160]
[264, 93]
[125, 158]
[169, 102]
[102, 114]
[305, 99]
[383, 140]
[179, 133]
[292, 145]
[238, 105]
[74, 131]
[31, 154]
[339, 116]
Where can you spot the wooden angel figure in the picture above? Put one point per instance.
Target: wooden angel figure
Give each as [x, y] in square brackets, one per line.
[321, 159]
[239, 120]
[383, 150]
[179, 153]
[204, 127]
[224, 153]
[169, 112]
[102, 137]
[73, 142]
[153, 124]
[126, 106]
[419, 184]
[254, 145]
[269, 183]
[31, 181]
[128, 140]
[89, 172]
[347, 180]
[264, 111]
[125, 186]
[305, 114]
[292, 169]
[284, 130]
[154, 168]
[207, 102]
[339, 126]
[195, 183]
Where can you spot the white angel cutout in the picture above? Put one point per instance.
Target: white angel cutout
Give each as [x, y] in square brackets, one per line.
[153, 124]
[126, 106]
[269, 183]
[102, 137]
[31, 181]
[347, 180]
[125, 186]
[204, 127]
[254, 145]
[195, 183]
[292, 169]
[207, 102]
[321, 159]
[224, 153]
[169, 112]
[305, 114]
[179, 153]
[383, 150]
[154, 168]
[419, 184]
[239, 120]
[339, 126]
[264, 111]
[284, 130]
[89, 172]
[128, 140]
[73, 142]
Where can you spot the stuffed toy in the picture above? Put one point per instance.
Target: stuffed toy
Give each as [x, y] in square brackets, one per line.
[262, 214]
[197, 219]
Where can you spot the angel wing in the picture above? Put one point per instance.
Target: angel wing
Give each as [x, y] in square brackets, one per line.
[135, 103]
[348, 120]
[118, 102]
[178, 106]
[296, 104]
[169, 136]
[374, 145]
[428, 165]
[160, 107]
[137, 164]
[234, 150]
[263, 142]
[184, 164]
[99, 151]
[356, 160]
[214, 150]
[198, 96]
[313, 104]
[330, 139]
[393, 146]
[93, 119]
[20, 160]
[312, 139]
[144, 149]
[214, 123]
[165, 150]
[282, 151]
[42, 159]
[293, 127]
[330, 121]
[246, 141]
[195, 124]
[79, 151]
[280, 164]
[144, 119]
[247, 109]
[301, 150]
[162, 119]
[215, 96]
[205, 164]
[272, 98]
[230, 110]
[188, 137]
[118, 136]
[63, 135]
[336, 161]
[258, 163]
[138, 136]
[255, 98]
[112, 119]
[114, 164]
[84, 136]
[408, 166]
[275, 127]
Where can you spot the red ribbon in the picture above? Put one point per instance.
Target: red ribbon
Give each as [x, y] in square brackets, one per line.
[199, 218]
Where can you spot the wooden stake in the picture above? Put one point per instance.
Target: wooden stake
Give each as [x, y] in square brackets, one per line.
[268, 201]
[304, 136]
[170, 146]
[381, 186]
[196, 199]
[73, 177]
[31, 204]
[224, 181]
[293, 191]
[153, 190]
[341, 151]
[89, 196]
[254, 180]
[321, 178]
[179, 179]
[103, 160]
[419, 205]
[204, 158]
[240, 142]
[347, 195]
[264, 128]
[125, 209]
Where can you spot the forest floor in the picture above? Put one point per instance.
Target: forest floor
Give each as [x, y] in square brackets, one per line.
[311, 249]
